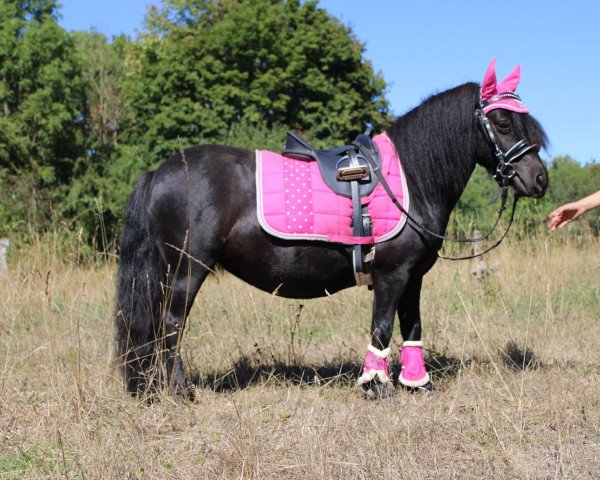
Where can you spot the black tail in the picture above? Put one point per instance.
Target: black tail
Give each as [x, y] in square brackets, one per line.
[138, 302]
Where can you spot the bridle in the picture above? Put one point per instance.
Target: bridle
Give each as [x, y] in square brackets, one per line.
[505, 171]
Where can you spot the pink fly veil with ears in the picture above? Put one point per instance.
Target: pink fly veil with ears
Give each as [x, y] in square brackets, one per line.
[496, 94]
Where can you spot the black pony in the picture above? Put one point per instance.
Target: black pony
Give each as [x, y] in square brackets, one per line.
[198, 209]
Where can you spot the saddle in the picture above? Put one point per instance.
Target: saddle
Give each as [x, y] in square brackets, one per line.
[340, 166]
[348, 171]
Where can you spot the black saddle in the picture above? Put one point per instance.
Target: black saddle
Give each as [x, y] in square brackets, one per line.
[339, 166]
[348, 172]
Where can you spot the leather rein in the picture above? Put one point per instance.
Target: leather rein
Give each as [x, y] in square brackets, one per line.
[504, 173]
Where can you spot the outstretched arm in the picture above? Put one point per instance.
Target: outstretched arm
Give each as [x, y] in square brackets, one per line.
[571, 211]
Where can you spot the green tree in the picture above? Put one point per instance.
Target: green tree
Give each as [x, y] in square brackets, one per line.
[102, 180]
[41, 110]
[569, 180]
[41, 93]
[205, 66]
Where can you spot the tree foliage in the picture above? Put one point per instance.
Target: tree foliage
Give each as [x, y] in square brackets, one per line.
[103, 178]
[41, 111]
[41, 93]
[205, 66]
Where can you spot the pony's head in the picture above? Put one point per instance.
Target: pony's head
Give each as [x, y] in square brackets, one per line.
[511, 138]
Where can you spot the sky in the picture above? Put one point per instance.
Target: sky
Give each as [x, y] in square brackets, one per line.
[427, 46]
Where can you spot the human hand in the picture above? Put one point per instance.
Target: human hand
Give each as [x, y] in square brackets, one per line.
[569, 212]
[564, 215]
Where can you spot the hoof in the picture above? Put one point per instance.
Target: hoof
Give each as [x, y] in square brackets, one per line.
[185, 391]
[425, 389]
[143, 388]
[376, 390]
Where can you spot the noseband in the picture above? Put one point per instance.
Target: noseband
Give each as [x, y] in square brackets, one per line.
[505, 169]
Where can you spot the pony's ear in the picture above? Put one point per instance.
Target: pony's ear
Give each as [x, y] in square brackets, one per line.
[509, 84]
[489, 86]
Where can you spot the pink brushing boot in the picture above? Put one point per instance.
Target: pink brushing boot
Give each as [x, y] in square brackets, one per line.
[376, 365]
[413, 372]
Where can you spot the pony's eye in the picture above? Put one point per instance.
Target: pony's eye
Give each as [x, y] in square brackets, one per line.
[503, 127]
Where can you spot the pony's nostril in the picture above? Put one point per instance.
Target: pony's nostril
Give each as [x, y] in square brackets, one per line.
[541, 183]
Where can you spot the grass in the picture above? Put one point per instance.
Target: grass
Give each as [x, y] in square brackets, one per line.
[514, 355]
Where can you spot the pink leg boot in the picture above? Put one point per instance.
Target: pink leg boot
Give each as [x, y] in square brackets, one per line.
[376, 365]
[413, 372]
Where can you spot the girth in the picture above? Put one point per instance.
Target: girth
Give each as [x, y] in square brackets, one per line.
[347, 172]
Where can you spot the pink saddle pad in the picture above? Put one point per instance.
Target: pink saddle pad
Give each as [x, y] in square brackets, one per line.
[293, 201]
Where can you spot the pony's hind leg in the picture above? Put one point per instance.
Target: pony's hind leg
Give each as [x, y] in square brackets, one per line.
[181, 290]
[180, 296]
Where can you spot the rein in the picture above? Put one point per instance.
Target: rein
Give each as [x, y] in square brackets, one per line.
[505, 172]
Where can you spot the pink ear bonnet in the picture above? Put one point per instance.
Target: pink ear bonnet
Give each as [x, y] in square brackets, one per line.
[502, 94]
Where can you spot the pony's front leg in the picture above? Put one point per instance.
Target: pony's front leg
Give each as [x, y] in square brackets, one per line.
[413, 373]
[375, 380]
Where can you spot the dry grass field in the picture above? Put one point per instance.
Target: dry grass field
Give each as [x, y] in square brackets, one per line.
[515, 358]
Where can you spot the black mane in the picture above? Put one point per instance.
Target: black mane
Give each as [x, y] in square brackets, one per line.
[436, 137]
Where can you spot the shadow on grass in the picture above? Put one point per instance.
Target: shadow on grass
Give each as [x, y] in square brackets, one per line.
[246, 372]
[517, 357]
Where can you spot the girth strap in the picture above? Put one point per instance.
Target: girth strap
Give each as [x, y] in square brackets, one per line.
[361, 227]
